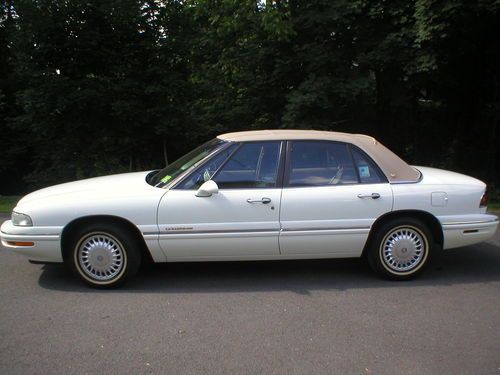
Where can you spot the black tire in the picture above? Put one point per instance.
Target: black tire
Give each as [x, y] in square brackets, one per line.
[103, 255]
[401, 248]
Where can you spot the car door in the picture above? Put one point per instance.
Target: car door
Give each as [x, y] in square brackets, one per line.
[333, 192]
[241, 221]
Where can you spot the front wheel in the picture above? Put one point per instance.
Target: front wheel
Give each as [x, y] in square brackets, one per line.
[104, 256]
[401, 248]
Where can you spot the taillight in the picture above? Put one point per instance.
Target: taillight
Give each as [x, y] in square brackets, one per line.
[484, 199]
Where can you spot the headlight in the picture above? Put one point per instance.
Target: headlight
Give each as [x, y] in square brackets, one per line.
[21, 219]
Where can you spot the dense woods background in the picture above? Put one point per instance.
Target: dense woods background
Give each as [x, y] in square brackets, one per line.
[100, 86]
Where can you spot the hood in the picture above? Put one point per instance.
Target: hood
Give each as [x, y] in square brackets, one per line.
[434, 176]
[114, 185]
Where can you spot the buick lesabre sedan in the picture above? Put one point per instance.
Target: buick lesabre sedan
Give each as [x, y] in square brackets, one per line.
[257, 195]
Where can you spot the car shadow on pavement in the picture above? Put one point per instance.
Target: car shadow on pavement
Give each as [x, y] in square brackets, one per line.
[472, 264]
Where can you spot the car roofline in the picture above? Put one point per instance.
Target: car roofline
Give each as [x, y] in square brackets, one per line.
[395, 169]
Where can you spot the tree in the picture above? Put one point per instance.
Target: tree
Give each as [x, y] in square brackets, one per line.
[102, 86]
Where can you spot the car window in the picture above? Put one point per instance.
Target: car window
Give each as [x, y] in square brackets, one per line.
[173, 170]
[253, 165]
[368, 172]
[316, 163]
[207, 170]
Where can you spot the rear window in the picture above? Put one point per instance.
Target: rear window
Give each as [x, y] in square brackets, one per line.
[316, 163]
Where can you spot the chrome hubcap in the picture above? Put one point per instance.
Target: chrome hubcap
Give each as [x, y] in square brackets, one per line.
[101, 257]
[403, 249]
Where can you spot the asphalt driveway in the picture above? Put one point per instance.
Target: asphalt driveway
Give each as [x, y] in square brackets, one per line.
[293, 317]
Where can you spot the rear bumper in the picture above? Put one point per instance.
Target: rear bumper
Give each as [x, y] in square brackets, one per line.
[46, 242]
[461, 232]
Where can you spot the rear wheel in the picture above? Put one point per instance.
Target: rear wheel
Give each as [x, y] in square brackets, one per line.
[401, 248]
[104, 255]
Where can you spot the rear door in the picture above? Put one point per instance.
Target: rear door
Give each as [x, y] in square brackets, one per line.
[332, 194]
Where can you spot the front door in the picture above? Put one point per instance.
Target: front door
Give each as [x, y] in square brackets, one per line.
[332, 194]
[240, 221]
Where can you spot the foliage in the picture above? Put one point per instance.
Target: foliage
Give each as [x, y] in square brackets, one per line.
[103, 86]
[494, 201]
[7, 203]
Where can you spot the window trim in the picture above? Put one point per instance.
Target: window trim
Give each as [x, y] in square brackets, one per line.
[369, 159]
[279, 175]
[201, 163]
[288, 158]
[236, 149]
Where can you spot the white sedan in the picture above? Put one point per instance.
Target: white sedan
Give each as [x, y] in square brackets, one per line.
[258, 195]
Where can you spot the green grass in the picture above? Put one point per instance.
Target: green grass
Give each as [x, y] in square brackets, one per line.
[7, 203]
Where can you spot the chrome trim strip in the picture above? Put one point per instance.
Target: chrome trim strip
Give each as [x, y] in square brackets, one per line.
[193, 236]
[30, 237]
[472, 222]
[217, 231]
[29, 234]
[166, 233]
[321, 229]
[404, 182]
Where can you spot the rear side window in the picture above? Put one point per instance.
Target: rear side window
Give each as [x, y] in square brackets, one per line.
[316, 163]
[368, 172]
[253, 165]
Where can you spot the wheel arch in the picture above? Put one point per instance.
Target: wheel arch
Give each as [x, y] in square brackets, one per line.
[426, 217]
[70, 229]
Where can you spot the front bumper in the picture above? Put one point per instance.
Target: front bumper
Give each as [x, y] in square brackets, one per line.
[46, 242]
[464, 231]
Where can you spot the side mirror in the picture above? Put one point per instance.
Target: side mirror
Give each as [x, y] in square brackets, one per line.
[207, 189]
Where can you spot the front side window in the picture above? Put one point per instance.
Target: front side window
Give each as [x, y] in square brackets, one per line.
[169, 173]
[207, 170]
[253, 165]
[317, 163]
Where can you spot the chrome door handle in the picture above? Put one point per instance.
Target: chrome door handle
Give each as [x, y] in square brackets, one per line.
[372, 195]
[263, 200]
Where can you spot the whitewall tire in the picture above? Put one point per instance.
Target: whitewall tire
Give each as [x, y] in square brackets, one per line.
[104, 255]
[401, 248]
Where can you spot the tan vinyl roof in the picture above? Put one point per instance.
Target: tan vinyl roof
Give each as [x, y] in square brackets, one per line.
[396, 169]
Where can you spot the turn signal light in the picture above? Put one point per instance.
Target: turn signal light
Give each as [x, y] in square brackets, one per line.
[19, 243]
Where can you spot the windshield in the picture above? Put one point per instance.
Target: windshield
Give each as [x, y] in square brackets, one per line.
[171, 171]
